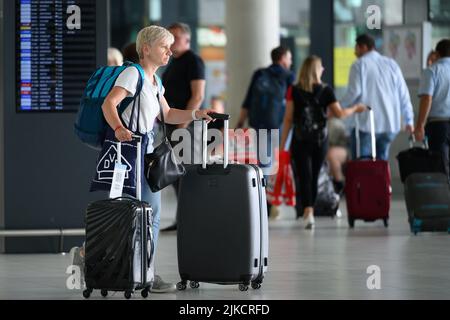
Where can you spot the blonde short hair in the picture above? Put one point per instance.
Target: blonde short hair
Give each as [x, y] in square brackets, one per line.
[150, 35]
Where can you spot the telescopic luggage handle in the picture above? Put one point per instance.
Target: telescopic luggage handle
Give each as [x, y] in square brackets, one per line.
[372, 135]
[138, 163]
[226, 119]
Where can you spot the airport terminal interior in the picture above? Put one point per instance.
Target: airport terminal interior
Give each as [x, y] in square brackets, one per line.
[46, 171]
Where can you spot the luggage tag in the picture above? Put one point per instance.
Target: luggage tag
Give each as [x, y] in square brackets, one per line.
[118, 179]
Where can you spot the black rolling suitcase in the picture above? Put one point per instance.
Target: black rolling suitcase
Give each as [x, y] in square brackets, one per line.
[222, 223]
[119, 244]
[419, 160]
[427, 198]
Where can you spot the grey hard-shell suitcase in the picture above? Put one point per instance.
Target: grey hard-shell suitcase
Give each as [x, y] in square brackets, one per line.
[119, 243]
[427, 198]
[222, 223]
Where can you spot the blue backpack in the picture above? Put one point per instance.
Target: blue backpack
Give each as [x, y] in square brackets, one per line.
[267, 100]
[90, 125]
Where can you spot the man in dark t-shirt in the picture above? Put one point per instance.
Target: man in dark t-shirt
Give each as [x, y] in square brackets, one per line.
[184, 82]
[184, 77]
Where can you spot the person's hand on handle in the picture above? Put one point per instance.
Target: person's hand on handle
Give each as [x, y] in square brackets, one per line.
[360, 108]
[204, 114]
[123, 134]
[419, 133]
[410, 129]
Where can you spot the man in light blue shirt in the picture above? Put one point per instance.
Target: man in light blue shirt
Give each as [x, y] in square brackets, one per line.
[434, 112]
[378, 82]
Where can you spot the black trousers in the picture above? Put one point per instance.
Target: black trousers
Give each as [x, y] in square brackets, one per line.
[308, 158]
[438, 134]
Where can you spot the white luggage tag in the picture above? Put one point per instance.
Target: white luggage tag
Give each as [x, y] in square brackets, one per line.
[118, 176]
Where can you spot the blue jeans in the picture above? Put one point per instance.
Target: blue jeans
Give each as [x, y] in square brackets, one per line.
[154, 199]
[383, 142]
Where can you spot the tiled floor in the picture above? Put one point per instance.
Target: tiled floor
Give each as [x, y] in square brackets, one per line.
[328, 263]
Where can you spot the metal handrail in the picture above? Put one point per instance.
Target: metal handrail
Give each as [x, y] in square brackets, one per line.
[42, 233]
[61, 233]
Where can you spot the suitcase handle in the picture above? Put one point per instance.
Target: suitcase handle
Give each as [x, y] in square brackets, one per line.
[226, 120]
[138, 163]
[219, 116]
[372, 135]
[412, 140]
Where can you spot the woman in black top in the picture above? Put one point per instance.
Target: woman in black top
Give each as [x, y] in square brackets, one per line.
[308, 104]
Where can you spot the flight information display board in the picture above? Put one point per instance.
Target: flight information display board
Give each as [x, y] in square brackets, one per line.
[55, 53]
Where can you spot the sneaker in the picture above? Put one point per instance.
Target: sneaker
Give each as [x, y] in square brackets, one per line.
[78, 261]
[309, 222]
[159, 286]
[274, 213]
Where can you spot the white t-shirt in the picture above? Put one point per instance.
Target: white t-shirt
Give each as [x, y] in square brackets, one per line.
[128, 80]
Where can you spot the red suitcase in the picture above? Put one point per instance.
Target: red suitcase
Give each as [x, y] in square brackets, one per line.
[368, 185]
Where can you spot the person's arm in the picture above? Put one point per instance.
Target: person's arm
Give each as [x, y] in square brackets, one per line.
[197, 97]
[426, 89]
[340, 113]
[287, 123]
[354, 88]
[242, 118]
[176, 116]
[111, 114]
[405, 103]
[424, 110]
[196, 76]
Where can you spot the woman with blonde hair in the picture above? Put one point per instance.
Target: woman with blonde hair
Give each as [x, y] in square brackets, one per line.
[153, 48]
[308, 104]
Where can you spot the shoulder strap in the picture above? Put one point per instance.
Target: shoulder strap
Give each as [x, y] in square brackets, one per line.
[142, 77]
[137, 96]
[320, 92]
[158, 82]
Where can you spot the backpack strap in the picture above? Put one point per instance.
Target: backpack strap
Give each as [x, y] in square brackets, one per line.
[141, 78]
[137, 95]
[318, 95]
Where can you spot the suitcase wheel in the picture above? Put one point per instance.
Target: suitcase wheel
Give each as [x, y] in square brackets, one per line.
[194, 285]
[144, 293]
[87, 293]
[181, 286]
[243, 287]
[127, 294]
[351, 222]
[256, 285]
[104, 293]
[386, 223]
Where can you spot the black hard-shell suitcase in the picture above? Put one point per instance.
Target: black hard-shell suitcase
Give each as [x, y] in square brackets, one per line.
[419, 160]
[222, 223]
[427, 198]
[119, 244]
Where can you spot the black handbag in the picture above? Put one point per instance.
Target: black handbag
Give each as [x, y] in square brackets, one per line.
[162, 167]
